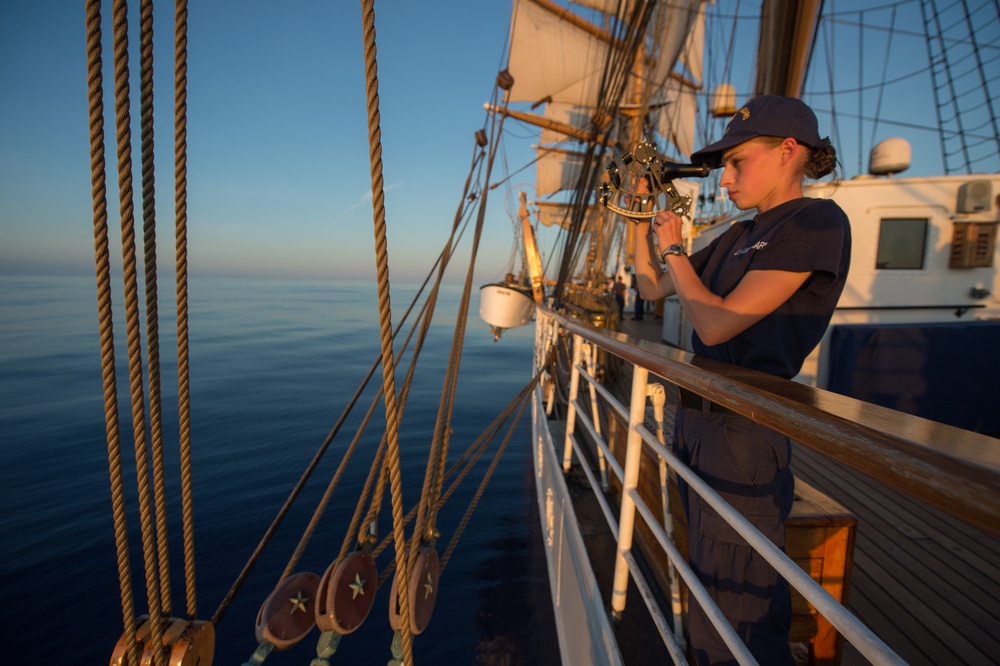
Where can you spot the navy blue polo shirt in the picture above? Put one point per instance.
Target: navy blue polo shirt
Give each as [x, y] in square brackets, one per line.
[802, 235]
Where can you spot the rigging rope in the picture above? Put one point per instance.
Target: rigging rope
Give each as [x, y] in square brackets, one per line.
[289, 501]
[95, 95]
[183, 374]
[310, 468]
[385, 319]
[124, 143]
[522, 400]
[466, 462]
[152, 311]
[426, 516]
[151, 492]
[321, 505]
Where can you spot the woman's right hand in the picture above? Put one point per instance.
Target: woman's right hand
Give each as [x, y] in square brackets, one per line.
[667, 227]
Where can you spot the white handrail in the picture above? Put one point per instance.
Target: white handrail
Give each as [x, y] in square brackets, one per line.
[867, 643]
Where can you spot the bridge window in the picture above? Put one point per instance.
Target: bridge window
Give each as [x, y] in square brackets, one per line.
[901, 243]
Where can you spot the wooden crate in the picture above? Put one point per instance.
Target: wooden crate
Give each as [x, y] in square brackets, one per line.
[820, 539]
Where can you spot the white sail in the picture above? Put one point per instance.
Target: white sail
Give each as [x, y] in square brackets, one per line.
[552, 213]
[568, 114]
[675, 101]
[676, 116]
[557, 169]
[573, 59]
[673, 27]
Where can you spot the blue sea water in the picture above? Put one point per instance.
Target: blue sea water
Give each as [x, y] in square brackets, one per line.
[272, 364]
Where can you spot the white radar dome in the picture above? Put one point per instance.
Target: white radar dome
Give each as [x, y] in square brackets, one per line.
[889, 156]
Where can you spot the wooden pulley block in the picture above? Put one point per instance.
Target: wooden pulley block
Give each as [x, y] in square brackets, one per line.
[346, 593]
[289, 613]
[422, 587]
[185, 643]
[196, 646]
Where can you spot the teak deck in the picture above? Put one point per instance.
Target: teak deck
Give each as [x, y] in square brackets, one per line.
[926, 584]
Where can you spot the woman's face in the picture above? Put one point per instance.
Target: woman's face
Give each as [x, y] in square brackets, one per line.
[752, 173]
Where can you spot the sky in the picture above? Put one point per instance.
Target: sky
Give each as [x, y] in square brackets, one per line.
[278, 162]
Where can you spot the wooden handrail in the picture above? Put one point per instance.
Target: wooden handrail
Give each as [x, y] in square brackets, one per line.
[954, 470]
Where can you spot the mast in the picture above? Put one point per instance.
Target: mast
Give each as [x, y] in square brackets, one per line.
[637, 112]
[787, 33]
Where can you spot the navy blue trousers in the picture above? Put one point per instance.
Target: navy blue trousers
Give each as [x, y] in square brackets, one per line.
[747, 464]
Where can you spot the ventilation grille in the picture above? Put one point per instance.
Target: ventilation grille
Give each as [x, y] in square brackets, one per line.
[972, 245]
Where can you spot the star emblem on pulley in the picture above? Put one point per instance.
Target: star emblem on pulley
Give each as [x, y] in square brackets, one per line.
[358, 586]
[343, 603]
[279, 620]
[298, 602]
[423, 578]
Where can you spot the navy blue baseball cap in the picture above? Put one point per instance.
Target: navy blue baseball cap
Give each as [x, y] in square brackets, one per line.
[767, 115]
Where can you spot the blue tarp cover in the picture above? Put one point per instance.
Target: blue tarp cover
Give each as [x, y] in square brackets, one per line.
[946, 372]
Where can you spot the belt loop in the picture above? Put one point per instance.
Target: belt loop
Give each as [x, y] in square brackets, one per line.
[706, 406]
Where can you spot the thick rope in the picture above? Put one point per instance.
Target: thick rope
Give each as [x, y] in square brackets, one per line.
[457, 230]
[152, 308]
[426, 313]
[385, 319]
[378, 461]
[183, 370]
[95, 95]
[439, 449]
[124, 142]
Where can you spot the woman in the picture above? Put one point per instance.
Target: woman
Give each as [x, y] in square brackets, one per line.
[760, 296]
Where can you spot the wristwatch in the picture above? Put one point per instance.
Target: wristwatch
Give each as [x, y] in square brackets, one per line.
[676, 248]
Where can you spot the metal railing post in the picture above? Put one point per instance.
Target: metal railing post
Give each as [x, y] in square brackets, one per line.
[626, 520]
[574, 384]
[546, 332]
[658, 397]
[595, 416]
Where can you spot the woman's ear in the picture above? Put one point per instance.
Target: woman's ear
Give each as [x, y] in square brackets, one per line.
[789, 147]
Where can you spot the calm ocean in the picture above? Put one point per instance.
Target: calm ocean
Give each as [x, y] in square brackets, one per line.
[272, 364]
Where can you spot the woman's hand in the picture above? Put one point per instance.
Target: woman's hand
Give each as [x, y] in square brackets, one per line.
[667, 227]
[641, 190]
